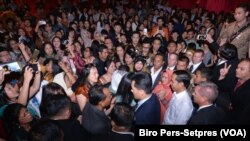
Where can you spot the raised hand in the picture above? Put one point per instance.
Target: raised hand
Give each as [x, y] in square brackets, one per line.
[28, 74]
[1, 76]
[161, 95]
[224, 71]
[21, 46]
[209, 38]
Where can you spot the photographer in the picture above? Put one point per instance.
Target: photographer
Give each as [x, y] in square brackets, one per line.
[238, 32]
[12, 92]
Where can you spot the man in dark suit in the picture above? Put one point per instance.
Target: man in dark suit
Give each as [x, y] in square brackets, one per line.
[156, 70]
[147, 110]
[205, 93]
[122, 118]
[240, 111]
[197, 61]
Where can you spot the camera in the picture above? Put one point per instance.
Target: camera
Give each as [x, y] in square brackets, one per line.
[201, 37]
[34, 67]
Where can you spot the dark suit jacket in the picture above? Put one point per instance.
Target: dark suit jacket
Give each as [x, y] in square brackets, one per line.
[149, 112]
[113, 136]
[158, 79]
[208, 115]
[94, 121]
[72, 130]
[241, 104]
[202, 65]
[225, 86]
[120, 137]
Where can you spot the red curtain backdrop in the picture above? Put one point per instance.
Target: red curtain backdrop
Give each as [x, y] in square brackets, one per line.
[210, 5]
[185, 4]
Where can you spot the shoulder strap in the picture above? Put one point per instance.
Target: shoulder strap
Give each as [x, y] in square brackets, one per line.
[238, 32]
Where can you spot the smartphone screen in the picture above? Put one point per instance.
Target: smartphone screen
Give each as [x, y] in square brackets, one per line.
[145, 31]
[13, 66]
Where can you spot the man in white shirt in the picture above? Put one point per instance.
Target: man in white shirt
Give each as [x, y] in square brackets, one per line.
[180, 106]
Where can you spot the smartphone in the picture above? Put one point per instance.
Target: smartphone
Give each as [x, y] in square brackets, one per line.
[12, 67]
[201, 37]
[34, 67]
[145, 31]
[35, 54]
[42, 22]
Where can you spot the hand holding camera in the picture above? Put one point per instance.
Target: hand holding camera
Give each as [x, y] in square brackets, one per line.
[28, 74]
[209, 38]
[201, 37]
[42, 22]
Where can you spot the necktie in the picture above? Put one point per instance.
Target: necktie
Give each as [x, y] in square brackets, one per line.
[135, 107]
[191, 68]
[238, 84]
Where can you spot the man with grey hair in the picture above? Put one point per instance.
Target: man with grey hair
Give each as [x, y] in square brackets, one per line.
[204, 94]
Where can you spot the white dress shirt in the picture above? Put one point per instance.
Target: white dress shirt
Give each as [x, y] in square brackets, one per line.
[205, 106]
[195, 66]
[155, 74]
[141, 102]
[170, 68]
[180, 109]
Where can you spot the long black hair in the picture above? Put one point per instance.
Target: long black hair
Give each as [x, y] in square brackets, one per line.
[11, 116]
[124, 88]
[82, 79]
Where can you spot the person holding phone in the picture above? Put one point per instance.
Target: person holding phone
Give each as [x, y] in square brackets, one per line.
[159, 28]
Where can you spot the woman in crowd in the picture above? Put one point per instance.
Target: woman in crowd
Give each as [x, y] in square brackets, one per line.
[122, 93]
[13, 92]
[110, 68]
[140, 64]
[88, 78]
[129, 59]
[164, 92]
[18, 122]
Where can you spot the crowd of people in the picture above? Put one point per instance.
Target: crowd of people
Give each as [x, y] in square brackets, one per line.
[81, 72]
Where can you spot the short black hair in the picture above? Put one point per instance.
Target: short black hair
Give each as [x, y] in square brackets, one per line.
[96, 94]
[56, 105]
[244, 6]
[228, 51]
[183, 58]
[123, 115]
[45, 130]
[101, 47]
[160, 18]
[183, 76]
[205, 73]
[143, 81]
